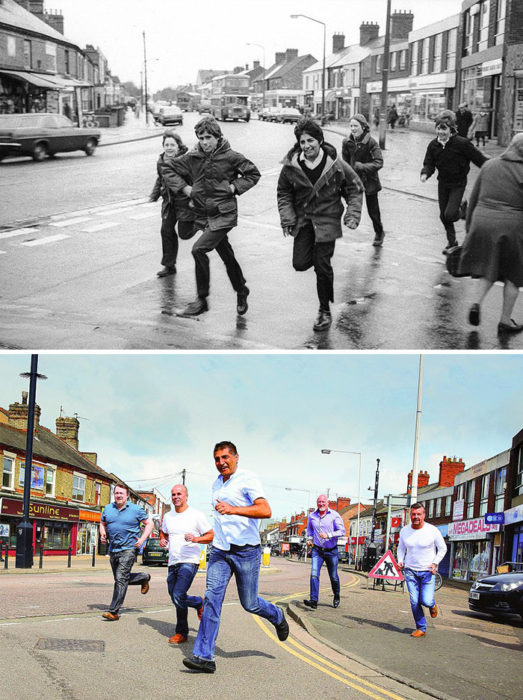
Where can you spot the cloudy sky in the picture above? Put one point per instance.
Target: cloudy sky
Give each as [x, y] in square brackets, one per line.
[183, 37]
[150, 415]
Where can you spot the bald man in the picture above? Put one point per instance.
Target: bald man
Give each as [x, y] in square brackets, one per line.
[324, 526]
[184, 529]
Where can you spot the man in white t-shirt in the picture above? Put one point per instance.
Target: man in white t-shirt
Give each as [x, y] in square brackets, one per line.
[184, 528]
[420, 550]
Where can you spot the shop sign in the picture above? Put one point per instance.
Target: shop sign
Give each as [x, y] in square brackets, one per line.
[492, 67]
[495, 518]
[395, 522]
[457, 511]
[42, 511]
[475, 529]
[514, 515]
[92, 516]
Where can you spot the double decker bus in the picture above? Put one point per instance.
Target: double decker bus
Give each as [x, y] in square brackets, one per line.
[229, 97]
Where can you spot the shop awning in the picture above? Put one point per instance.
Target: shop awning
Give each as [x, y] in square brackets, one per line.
[51, 82]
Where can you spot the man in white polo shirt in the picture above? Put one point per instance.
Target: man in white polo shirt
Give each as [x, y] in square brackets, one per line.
[184, 528]
[420, 550]
[239, 502]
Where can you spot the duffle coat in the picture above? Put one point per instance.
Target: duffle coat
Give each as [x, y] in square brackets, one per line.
[365, 156]
[299, 200]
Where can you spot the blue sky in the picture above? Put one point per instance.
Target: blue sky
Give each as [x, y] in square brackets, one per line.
[150, 415]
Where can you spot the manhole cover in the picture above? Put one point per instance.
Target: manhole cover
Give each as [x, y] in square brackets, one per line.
[51, 644]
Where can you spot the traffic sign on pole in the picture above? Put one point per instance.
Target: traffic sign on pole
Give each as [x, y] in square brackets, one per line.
[386, 568]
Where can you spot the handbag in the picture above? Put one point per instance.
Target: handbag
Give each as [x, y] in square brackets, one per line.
[452, 262]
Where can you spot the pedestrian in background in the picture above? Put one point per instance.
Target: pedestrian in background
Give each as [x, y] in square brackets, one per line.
[421, 548]
[464, 120]
[239, 503]
[451, 156]
[312, 183]
[324, 526]
[480, 126]
[175, 205]
[212, 175]
[183, 529]
[364, 155]
[120, 525]
[493, 246]
[392, 116]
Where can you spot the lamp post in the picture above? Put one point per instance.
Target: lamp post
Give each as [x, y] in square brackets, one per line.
[351, 452]
[288, 488]
[323, 66]
[145, 79]
[263, 79]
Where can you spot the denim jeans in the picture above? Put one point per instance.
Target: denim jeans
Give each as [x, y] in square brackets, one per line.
[420, 585]
[244, 563]
[121, 563]
[179, 581]
[319, 556]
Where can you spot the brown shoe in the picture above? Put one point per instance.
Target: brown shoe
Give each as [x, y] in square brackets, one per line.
[145, 586]
[418, 633]
[199, 611]
[434, 610]
[111, 616]
[178, 639]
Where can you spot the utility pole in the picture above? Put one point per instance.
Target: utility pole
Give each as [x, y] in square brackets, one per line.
[145, 79]
[376, 484]
[385, 80]
[183, 476]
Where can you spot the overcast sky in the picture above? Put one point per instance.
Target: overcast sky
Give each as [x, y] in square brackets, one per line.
[150, 415]
[183, 37]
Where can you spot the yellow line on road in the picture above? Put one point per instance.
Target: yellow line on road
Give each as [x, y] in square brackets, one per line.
[354, 582]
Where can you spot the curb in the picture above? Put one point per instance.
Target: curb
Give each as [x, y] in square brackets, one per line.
[131, 139]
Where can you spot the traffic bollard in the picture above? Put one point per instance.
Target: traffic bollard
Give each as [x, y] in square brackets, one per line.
[69, 558]
[94, 557]
[41, 562]
[6, 557]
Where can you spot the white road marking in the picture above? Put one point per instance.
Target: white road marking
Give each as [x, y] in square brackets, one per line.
[101, 227]
[3, 252]
[114, 211]
[17, 232]
[70, 222]
[146, 215]
[47, 239]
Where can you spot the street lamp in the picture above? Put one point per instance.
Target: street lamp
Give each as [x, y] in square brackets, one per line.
[263, 80]
[351, 452]
[323, 68]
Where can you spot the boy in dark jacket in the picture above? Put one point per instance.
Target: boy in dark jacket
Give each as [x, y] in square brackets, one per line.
[212, 175]
[451, 156]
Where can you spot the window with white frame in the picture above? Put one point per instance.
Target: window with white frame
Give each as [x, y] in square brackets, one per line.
[11, 46]
[431, 509]
[28, 57]
[425, 48]
[8, 473]
[499, 489]
[461, 492]
[448, 503]
[483, 503]
[379, 63]
[436, 55]
[500, 22]
[519, 473]
[393, 60]
[78, 487]
[50, 51]
[484, 16]
[402, 59]
[97, 493]
[414, 58]
[471, 490]
[452, 40]
[437, 512]
[50, 475]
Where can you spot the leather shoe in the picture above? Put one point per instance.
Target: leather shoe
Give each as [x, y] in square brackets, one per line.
[195, 308]
[511, 327]
[145, 586]
[336, 601]
[242, 306]
[474, 315]
[178, 639]
[200, 665]
[313, 604]
[323, 321]
[166, 271]
[378, 239]
[448, 247]
[434, 610]
[111, 616]
[282, 629]
[418, 633]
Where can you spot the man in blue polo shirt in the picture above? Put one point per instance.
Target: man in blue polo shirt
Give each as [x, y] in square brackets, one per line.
[120, 525]
[324, 526]
[239, 503]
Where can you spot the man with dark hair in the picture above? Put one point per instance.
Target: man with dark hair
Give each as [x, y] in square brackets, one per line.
[239, 502]
[120, 525]
[212, 175]
[420, 550]
[312, 183]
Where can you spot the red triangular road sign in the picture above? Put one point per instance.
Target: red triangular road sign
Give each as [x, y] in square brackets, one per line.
[386, 568]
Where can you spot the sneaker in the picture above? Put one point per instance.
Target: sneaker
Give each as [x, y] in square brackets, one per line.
[418, 633]
[313, 604]
[282, 629]
[242, 306]
[178, 639]
[323, 320]
[434, 610]
[112, 617]
[199, 612]
[145, 585]
[195, 308]
[200, 665]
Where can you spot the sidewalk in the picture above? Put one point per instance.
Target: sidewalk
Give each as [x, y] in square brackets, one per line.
[464, 656]
[133, 129]
[58, 564]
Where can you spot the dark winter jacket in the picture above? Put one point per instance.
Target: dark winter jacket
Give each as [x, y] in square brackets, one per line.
[210, 176]
[161, 188]
[300, 200]
[464, 119]
[365, 157]
[452, 160]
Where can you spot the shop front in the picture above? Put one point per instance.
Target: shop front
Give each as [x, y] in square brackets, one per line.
[55, 527]
[472, 548]
[514, 533]
[398, 94]
[87, 534]
[481, 89]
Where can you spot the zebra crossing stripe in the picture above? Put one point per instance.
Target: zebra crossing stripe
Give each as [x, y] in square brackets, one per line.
[47, 239]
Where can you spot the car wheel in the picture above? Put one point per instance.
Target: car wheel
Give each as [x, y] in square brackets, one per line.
[39, 151]
[90, 147]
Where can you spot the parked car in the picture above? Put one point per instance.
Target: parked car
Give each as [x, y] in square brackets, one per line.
[497, 594]
[288, 115]
[272, 114]
[39, 135]
[154, 553]
[204, 108]
[171, 114]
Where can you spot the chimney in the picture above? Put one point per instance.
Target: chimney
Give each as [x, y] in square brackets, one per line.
[338, 42]
[369, 31]
[55, 19]
[279, 57]
[448, 468]
[255, 64]
[36, 8]
[342, 502]
[290, 54]
[400, 25]
[18, 412]
[423, 480]
[67, 430]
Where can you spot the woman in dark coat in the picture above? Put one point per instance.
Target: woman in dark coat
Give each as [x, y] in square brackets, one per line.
[364, 155]
[175, 206]
[493, 247]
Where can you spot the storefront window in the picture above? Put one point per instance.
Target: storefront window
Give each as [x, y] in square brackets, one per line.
[55, 535]
[427, 105]
[476, 90]
[517, 546]
[471, 560]
[7, 475]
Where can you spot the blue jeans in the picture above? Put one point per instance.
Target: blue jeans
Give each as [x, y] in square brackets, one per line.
[318, 556]
[179, 581]
[244, 562]
[121, 563]
[420, 585]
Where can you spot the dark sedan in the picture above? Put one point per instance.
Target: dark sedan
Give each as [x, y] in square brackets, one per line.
[40, 135]
[499, 593]
[154, 553]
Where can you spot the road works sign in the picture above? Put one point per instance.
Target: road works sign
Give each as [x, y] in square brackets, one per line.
[386, 568]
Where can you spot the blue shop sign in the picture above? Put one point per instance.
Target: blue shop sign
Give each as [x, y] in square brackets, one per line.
[495, 518]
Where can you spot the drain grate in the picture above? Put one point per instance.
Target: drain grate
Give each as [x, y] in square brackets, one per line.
[52, 644]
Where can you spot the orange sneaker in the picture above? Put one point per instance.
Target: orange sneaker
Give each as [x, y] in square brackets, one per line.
[434, 610]
[418, 633]
[178, 639]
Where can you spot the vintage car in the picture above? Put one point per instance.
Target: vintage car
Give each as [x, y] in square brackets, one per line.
[288, 115]
[170, 114]
[498, 594]
[39, 135]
